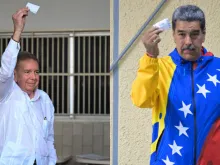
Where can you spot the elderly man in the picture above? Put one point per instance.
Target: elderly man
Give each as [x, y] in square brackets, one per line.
[26, 113]
[183, 91]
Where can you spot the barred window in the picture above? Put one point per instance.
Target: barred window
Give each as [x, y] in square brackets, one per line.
[85, 60]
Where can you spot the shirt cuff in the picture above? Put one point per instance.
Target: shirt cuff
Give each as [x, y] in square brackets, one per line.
[150, 55]
[13, 47]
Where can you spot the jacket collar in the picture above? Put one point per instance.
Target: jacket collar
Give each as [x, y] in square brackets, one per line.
[203, 59]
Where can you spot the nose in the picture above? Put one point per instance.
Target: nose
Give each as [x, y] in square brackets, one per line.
[188, 40]
[33, 75]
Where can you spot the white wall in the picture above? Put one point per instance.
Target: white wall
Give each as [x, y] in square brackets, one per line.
[59, 14]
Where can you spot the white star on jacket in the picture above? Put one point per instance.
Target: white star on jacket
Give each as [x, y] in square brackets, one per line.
[202, 90]
[213, 79]
[182, 130]
[167, 161]
[175, 148]
[185, 109]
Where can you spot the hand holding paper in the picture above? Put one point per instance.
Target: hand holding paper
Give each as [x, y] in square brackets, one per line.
[19, 19]
[151, 38]
[164, 24]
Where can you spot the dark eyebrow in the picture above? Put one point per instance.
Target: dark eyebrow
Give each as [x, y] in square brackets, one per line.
[181, 31]
[193, 31]
[30, 70]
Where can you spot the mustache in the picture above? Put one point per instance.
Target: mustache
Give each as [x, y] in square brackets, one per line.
[188, 47]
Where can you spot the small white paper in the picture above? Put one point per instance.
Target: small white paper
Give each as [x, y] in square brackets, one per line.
[33, 8]
[164, 24]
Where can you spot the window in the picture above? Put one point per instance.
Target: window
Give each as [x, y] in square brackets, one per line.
[88, 68]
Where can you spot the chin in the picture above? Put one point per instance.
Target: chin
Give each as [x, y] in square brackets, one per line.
[190, 57]
[32, 89]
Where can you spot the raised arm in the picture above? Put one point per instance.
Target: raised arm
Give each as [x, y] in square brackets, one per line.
[9, 57]
[145, 90]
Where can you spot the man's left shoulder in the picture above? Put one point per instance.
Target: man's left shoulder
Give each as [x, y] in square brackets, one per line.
[216, 60]
[44, 95]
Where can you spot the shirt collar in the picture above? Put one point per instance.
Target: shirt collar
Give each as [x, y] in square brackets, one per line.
[36, 95]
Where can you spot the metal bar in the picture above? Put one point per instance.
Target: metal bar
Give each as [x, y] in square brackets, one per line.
[1, 48]
[100, 70]
[27, 44]
[66, 32]
[58, 78]
[52, 70]
[71, 71]
[83, 34]
[22, 44]
[32, 44]
[6, 42]
[94, 87]
[84, 65]
[78, 84]
[62, 92]
[89, 76]
[115, 83]
[42, 62]
[105, 79]
[47, 78]
[75, 74]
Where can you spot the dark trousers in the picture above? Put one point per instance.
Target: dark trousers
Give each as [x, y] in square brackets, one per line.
[35, 163]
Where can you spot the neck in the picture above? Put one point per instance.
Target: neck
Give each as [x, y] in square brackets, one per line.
[31, 95]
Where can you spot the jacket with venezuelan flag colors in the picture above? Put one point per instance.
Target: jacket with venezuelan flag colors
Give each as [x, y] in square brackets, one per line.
[185, 101]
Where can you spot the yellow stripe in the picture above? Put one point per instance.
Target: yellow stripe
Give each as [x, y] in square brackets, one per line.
[166, 71]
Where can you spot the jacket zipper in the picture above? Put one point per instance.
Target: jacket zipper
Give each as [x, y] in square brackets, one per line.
[194, 115]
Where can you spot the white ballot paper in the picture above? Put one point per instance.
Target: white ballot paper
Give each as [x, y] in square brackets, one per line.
[33, 8]
[164, 24]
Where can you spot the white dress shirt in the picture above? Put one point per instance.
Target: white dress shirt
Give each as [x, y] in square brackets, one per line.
[26, 125]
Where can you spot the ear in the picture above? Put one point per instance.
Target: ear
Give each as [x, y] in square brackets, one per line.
[15, 75]
[174, 36]
[204, 33]
[203, 40]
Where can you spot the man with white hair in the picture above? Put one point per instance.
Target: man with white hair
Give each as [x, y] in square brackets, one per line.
[26, 113]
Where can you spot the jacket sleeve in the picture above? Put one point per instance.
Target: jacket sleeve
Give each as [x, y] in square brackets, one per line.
[144, 92]
[8, 63]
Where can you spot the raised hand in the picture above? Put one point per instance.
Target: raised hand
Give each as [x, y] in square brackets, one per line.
[151, 39]
[19, 19]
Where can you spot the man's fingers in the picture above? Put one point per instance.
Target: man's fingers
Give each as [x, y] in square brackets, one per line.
[152, 29]
[19, 16]
[157, 31]
[21, 12]
[157, 40]
[153, 38]
[152, 33]
[25, 13]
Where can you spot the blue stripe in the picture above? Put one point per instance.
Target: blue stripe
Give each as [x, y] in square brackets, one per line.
[115, 83]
